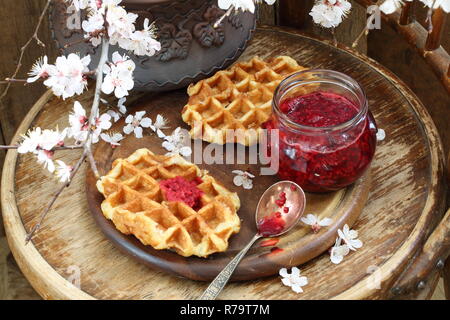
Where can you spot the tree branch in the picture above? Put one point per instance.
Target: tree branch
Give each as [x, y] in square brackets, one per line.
[27, 44]
[37, 226]
[226, 14]
[9, 80]
[96, 103]
[74, 147]
[87, 151]
[96, 34]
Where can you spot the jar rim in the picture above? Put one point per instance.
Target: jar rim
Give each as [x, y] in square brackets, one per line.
[343, 78]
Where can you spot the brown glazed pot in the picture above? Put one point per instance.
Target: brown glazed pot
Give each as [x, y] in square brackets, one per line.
[191, 48]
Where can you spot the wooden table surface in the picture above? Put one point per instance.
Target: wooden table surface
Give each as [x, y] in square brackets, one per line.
[405, 202]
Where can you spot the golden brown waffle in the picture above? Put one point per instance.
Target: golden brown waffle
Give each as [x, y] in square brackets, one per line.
[136, 205]
[238, 98]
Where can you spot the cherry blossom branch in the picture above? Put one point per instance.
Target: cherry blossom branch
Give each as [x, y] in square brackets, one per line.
[37, 226]
[96, 34]
[9, 80]
[27, 44]
[333, 34]
[96, 104]
[74, 147]
[25, 81]
[364, 32]
[226, 14]
[87, 151]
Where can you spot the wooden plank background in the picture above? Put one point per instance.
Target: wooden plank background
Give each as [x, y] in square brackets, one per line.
[18, 19]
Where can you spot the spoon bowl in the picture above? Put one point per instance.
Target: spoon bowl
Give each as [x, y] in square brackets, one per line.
[279, 209]
[290, 209]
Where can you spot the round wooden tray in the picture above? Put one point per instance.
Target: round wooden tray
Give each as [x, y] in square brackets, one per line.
[405, 200]
[296, 247]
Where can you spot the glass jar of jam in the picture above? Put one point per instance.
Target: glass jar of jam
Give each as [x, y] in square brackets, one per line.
[327, 135]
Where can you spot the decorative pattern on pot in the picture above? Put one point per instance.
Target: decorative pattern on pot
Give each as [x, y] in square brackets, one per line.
[205, 32]
[191, 48]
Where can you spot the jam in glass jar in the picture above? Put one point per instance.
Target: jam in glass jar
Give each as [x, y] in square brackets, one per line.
[327, 135]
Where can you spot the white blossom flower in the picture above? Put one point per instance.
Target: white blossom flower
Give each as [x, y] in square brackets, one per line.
[119, 76]
[338, 251]
[114, 115]
[101, 123]
[93, 27]
[293, 279]
[31, 141]
[316, 223]
[45, 157]
[68, 77]
[110, 3]
[142, 42]
[79, 123]
[136, 123]
[160, 123]
[41, 70]
[113, 139]
[390, 6]
[177, 143]
[121, 28]
[243, 179]
[63, 171]
[120, 23]
[350, 238]
[121, 105]
[381, 135]
[434, 4]
[244, 5]
[52, 138]
[122, 109]
[330, 13]
[80, 4]
[37, 140]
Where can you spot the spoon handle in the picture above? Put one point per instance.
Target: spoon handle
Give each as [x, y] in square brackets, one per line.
[222, 278]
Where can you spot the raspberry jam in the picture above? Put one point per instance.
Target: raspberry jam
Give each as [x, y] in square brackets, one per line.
[327, 136]
[271, 225]
[319, 109]
[180, 189]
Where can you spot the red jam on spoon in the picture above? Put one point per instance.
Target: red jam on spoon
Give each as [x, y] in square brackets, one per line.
[271, 225]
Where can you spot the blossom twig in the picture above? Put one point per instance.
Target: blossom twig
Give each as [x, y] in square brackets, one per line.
[37, 226]
[83, 40]
[226, 14]
[74, 147]
[9, 80]
[333, 34]
[27, 44]
[96, 104]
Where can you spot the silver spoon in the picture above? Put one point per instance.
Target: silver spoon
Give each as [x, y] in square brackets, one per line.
[271, 221]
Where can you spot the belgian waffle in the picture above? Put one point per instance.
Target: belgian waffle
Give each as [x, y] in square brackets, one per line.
[136, 205]
[237, 98]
